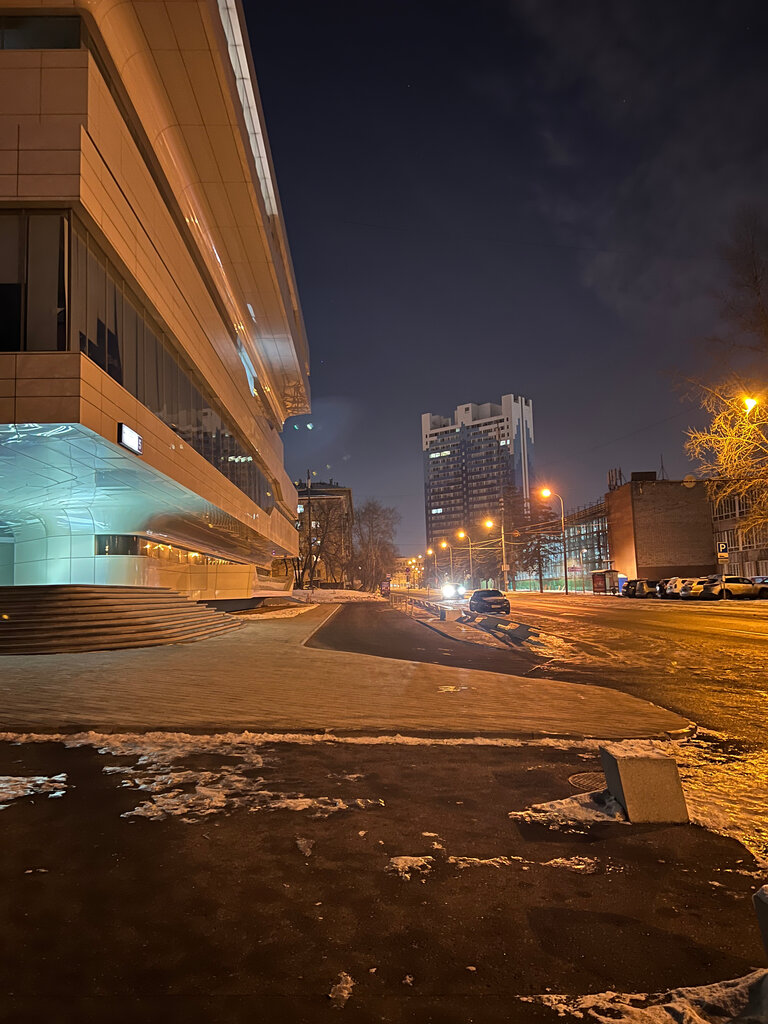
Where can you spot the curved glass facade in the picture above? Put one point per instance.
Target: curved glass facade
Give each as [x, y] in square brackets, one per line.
[114, 330]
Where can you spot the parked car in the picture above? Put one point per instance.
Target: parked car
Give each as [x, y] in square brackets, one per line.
[661, 588]
[489, 601]
[677, 583]
[693, 588]
[761, 581]
[645, 588]
[628, 590]
[728, 587]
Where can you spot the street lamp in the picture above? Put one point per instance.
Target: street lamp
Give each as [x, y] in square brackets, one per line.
[546, 493]
[444, 544]
[430, 551]
[490, 524]
[463, 535]
[750, 404]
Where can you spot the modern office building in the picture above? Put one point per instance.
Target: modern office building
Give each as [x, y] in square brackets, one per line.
[469, 461]
[151, 337]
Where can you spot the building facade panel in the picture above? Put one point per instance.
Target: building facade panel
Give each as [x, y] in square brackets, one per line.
[144, 297]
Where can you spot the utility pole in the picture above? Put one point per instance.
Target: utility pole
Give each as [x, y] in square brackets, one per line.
[311, 553]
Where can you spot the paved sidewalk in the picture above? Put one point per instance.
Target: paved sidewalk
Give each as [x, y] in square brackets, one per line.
[263, 678]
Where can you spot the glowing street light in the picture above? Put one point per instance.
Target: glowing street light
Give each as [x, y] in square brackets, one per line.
[489, 524]
[547, 493]
[463, 535]
[750, 404]
[444, 544]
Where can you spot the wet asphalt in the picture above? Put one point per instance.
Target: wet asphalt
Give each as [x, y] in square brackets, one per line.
[704, 660]
[228, 918]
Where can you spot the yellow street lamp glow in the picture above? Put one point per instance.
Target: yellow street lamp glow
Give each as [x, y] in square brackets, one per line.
[443, 543]
[430, 551]
[750, 403]
[461, 534]
[488, 523]
[545, 492]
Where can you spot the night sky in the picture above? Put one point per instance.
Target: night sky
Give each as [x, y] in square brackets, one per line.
[526, 197]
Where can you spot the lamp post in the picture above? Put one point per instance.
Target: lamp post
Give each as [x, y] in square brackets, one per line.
[463, 535]
[489, 524]
[546, 493]
[432, 552]
[750, 404]
[444, 544]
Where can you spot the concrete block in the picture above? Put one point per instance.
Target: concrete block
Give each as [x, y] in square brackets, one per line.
[760, 900]
[452, 614]
[647, 785]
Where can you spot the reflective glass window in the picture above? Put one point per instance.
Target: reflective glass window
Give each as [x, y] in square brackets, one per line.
[39, 32]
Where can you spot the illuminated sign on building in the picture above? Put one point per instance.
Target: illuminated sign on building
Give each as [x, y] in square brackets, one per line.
[128, 438]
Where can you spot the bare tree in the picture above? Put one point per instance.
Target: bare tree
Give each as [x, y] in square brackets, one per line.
[322, 543]
[732, 450]
[374, 542]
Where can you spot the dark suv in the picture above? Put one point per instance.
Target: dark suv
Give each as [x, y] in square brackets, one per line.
[492, 601]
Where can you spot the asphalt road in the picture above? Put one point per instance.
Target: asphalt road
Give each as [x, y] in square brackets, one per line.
[707, 661]
[233, 902]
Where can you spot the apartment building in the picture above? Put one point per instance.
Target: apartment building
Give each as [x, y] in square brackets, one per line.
[469, 460]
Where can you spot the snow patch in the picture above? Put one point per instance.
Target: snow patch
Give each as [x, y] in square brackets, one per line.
[279, 613]
[341, 990]
[743, 998]
[483, 862]
[582, 809]
[334, 596]
[14, 787]
[404, 867]
[584, 865]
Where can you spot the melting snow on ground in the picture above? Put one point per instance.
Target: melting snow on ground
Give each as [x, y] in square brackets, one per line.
[255, 615]
[582, 809]
[14, 787]
[745, 999]
[407, 866]
[725, 790]
[164, 769]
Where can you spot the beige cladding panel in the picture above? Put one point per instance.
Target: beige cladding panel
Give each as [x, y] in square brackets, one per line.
[122, 199]
[69, 388]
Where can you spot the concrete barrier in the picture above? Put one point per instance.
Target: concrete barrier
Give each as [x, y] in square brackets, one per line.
[647, 785]
[760, 900]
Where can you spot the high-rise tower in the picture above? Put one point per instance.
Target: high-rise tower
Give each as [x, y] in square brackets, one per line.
[470, 459]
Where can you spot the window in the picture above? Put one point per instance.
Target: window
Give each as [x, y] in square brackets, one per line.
[39, 32]
[112, 328]
[32, 282]
[436, 511]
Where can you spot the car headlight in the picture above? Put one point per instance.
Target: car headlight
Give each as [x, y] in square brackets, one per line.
[462, 590]
[449, 590]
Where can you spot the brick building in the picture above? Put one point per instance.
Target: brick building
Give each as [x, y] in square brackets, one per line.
[660, 528]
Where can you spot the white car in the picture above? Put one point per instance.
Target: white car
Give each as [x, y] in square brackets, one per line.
[676, 584]
[714, 587]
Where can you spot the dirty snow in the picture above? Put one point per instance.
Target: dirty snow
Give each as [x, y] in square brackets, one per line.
[334, 596]
[341, 990]
[725, 791]
[584, 865]
[719, 1003]
[582, 809]
[164, 770]
[14, 787]
[254, 615]
[406, 866]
